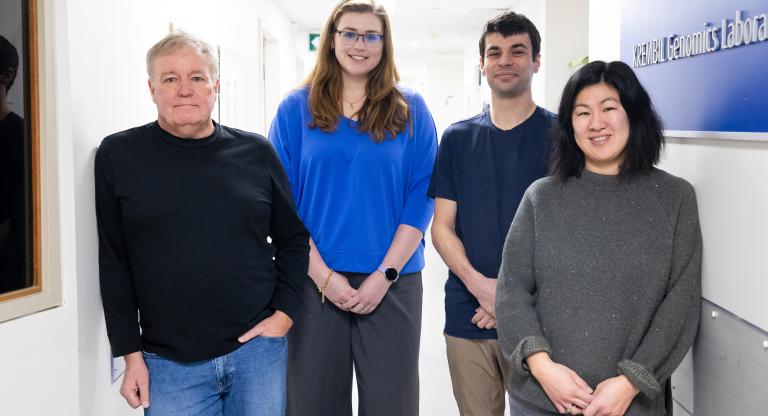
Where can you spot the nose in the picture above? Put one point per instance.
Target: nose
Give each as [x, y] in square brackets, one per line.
[359, 43]
[185, 88]
[597, 121]
[506, 59]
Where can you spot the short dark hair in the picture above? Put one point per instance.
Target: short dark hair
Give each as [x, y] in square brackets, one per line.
[646, 137]
[9, 58]
[510, 23]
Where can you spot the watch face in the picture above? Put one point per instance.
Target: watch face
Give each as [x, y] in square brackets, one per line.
[390, 274]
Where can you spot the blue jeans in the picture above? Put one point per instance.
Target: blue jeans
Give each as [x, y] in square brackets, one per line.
[249, 381]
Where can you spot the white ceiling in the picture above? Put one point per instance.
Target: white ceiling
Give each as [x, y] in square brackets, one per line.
[419, 26]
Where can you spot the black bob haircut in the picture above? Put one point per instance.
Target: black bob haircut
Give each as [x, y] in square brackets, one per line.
[646, 137]
[510, 23]
[9, 58]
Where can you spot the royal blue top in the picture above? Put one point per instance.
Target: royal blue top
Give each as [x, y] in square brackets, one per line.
[351, 192]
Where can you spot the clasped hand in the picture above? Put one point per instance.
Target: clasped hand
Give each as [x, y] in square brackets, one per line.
[363, 300]
[484, 290]
[572, 395]
[368, 297]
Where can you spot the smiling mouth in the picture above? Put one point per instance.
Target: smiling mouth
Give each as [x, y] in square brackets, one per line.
[599, 139]
[358, 58]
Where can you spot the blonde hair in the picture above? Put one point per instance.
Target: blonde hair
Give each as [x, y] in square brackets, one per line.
[175, 42]
[385, 112]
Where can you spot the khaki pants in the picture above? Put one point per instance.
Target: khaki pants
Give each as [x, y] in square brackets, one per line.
[478, 375]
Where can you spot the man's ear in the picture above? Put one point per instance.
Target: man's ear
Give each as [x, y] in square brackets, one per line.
[151, 88]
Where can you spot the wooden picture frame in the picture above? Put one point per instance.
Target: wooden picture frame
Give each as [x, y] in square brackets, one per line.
[42, 292]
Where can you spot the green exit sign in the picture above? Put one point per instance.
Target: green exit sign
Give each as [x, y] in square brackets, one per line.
[314, 41]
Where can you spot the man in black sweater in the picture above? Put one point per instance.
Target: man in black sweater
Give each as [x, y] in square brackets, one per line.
[199, 238]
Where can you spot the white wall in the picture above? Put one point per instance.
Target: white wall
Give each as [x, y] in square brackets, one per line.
[730, 178]
[604, 30]
[99, 48]
[565, 38]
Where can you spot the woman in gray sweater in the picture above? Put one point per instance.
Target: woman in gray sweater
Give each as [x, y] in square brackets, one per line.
[599, 291]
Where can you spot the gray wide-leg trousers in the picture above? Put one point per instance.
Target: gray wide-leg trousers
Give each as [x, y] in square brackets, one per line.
[325, 342]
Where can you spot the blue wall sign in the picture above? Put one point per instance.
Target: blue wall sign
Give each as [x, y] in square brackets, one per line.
[705, 63]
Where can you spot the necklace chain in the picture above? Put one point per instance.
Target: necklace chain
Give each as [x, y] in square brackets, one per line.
[352, 103]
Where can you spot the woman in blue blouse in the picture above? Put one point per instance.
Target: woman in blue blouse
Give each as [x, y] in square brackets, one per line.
[359, 151]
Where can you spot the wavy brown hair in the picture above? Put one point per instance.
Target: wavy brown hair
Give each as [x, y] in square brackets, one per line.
[385, 112]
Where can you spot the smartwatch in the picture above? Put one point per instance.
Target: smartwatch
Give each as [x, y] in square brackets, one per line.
[390, 273]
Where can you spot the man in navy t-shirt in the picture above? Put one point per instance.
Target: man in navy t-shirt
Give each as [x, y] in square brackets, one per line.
[484, 165]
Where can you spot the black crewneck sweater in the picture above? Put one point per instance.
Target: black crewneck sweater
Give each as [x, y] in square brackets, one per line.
[183, 227]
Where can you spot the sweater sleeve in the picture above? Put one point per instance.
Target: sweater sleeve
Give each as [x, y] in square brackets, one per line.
[418, 205]
[673, 327]
[291, 242]
[285, 134]
[517, 323]
[117, 293]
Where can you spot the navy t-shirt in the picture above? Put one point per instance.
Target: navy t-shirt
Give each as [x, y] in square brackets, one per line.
[486, 170]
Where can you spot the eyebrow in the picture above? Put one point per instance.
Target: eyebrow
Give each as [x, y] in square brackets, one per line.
[601, 102]
[352, 29]
[174, 72]
[498, 48]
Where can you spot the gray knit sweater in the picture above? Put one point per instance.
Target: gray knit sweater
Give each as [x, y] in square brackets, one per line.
[605, 275]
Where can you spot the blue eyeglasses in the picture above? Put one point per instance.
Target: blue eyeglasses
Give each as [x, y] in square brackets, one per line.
[371, 40]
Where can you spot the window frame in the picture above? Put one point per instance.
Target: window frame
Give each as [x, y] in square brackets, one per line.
[45, 292]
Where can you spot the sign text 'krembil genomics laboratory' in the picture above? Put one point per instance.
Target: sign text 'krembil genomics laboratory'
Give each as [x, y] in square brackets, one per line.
[741, 31]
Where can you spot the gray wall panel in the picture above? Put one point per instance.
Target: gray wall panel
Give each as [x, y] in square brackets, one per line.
[728, 368]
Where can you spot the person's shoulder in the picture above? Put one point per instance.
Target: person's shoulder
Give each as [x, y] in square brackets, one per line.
[412, 97]
[675, 195]
[543, 112]
[544, 117]
[466, 126]
[295, 98]
[407, 92]
[545, 185]
[13, 126]
[670, 184]
[299, 93]
[14, 119]
[246, 137]
[127, 137]
[543, 192]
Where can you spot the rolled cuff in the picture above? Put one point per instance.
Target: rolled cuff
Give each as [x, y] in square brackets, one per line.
[287, 302]
[638, 375]
[525, 348]
[125, 344]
